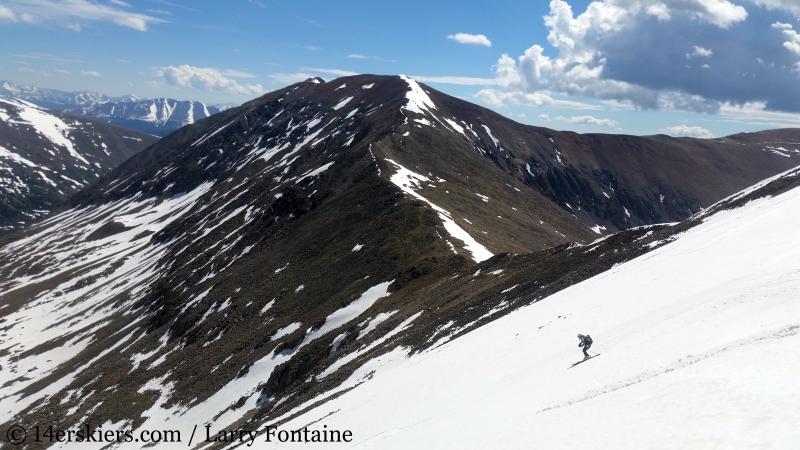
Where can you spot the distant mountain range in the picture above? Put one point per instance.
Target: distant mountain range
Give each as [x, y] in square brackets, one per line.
[158, 117]
[46, 156]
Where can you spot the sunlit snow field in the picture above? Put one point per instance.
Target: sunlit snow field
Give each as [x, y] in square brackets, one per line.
[698, 343]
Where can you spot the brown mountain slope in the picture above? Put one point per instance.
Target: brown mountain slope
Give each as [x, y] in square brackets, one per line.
[247, 263]
[46, 156]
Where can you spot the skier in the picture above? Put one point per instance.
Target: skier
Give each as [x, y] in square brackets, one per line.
[586, 343]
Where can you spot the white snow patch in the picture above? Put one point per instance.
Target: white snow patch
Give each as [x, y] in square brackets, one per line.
[267, 307]
[455, 126]
[418, 100]
[379, 319]
[494, 139]
[342, 103]
[285, 331]
[407, 181]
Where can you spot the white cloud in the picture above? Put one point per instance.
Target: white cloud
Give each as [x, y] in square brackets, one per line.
[474, 39]
[313, 48]
[7, 14]
[46, 57]
[467, 81]
[76, 27]
[62, 72]
[237, 74]
[588, 120]
[61, 11]
[497, 98]
[91, 73]
[119, 2]
[790, 6]
[37, 72]
[205, 78]
[357, 56]
[545, 117]
[660, 11]
[289, 78]
[699, 51]
[684, 130]
[306, 73]
[341, 73]
[581, 66]
[755, 113]
[782, 26]
[793, 44]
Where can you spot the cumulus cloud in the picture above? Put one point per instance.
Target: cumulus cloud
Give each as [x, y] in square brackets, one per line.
[699, 51]
[356, 56]
[684, 130]
[793, 44]
[473, 39]
[205, 78]
[790, 6]
[91, 73]
[635, 52]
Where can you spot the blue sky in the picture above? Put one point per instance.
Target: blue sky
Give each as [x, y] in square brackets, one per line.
[683, 67]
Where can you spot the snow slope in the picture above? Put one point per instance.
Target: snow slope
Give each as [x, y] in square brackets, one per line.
[698, 343]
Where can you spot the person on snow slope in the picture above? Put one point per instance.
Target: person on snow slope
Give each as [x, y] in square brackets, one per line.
[586, 343]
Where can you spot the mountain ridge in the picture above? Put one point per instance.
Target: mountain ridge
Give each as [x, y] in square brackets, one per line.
[255, 263]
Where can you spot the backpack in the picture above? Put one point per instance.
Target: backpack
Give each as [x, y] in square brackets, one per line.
[588, 340]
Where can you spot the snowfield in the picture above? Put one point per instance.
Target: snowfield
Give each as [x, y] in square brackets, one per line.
[698, 343]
